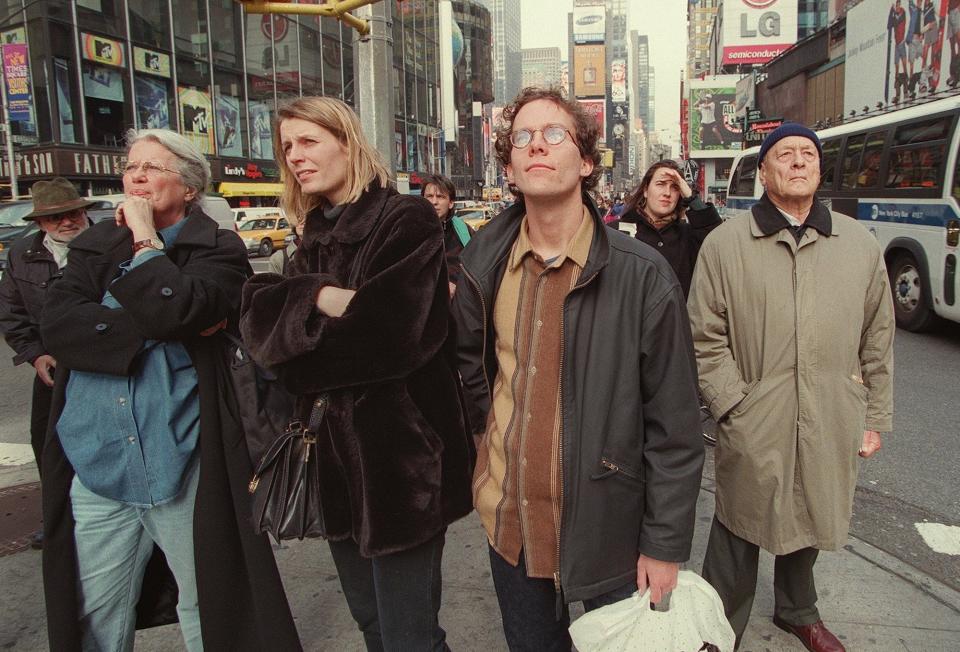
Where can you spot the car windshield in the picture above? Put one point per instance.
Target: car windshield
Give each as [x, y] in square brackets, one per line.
[258, 224]
[12, 214]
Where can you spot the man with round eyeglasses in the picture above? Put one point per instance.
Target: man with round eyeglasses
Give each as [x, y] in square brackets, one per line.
[589, 465]
[33, 264]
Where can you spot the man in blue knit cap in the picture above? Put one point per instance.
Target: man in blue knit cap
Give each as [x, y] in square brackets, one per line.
[793, 329]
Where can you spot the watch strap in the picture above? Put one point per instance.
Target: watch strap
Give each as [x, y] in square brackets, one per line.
[150, 243]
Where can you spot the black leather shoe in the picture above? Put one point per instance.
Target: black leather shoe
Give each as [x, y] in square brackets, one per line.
[815, 637]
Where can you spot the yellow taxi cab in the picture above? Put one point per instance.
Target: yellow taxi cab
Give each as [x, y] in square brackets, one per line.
[476, 217]
[264, 234]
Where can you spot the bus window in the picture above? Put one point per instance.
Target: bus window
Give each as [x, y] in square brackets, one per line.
[916, 167]
[851, 162]
[956, 179]
[831, 152]
[745, 177]
[869, 174]
[922, 132]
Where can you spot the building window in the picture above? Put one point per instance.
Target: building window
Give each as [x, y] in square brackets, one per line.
[230, 111]
[195, 103]
[104, 16]
[105, 83]
[190, 28]
[150, 22]
[152, 86]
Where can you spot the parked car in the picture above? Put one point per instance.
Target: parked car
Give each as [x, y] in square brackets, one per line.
[13, 226]
[476, 217]
[263, 235]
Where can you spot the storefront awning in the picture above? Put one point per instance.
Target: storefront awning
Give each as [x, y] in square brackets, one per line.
[234, 189]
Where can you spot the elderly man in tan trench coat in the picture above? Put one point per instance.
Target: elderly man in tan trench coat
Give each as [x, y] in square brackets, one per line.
[793, 329]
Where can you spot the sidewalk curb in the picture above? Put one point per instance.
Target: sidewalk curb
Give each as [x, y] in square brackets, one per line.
[885, 562]
[905, 572]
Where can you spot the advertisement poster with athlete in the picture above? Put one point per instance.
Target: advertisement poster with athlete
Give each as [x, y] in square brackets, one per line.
[917, 43]
[714, 130]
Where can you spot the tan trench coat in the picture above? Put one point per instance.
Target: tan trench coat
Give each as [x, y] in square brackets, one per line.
[794, 348]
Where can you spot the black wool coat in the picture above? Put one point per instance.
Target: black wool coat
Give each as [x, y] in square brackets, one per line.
[680, 240]
[395, 456]
[172, 297]
[30, 271]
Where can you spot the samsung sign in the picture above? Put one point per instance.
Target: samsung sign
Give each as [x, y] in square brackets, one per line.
[589, 24]
[756, 31]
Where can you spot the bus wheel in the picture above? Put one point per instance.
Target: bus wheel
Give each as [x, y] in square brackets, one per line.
[266, 247]
[910, 293]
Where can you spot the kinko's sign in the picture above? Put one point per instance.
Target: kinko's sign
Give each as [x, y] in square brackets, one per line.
[756, 31]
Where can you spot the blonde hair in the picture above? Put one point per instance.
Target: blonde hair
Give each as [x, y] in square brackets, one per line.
[365, 163]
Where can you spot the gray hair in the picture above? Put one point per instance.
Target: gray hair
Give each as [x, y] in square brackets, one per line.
[191, 163]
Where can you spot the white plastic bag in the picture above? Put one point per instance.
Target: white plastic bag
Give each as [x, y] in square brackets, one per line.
[695, 618]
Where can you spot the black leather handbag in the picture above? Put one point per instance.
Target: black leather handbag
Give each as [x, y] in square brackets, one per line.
[286, 482]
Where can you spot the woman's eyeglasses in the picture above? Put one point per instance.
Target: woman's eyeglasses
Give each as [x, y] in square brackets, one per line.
[553, 134]
[150, 168]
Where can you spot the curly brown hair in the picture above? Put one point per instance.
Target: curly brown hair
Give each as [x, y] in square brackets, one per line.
[587, 131]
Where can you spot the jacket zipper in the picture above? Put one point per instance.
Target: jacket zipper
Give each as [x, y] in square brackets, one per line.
[563, 355]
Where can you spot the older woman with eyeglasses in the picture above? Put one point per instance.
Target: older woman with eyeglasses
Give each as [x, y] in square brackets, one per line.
[144, 465]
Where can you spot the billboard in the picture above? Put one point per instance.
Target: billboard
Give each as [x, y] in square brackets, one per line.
[713, 129]
[597, 109]
[150, 62]
[897, 53]
[589, 67]
[756, 31]
[103, 50]
[196, 117]
[618, 80]
[589, 23]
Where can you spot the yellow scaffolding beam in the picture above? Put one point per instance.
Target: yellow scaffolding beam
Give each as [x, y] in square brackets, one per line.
[339, 9]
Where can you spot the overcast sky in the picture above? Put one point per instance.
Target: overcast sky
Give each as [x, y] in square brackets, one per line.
[663, 21]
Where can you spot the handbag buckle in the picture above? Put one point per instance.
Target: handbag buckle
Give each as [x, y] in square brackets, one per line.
[295, 426]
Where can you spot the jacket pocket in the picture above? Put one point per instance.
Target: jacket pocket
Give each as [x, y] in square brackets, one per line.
[859, 388]
[609, 469]
[750, 393]
[387, 413]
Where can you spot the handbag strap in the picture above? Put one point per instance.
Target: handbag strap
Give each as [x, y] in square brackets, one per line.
[316, 413]
[280, 443]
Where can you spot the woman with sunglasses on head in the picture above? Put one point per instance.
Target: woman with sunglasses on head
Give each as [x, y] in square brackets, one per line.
[671, 218]
[144, 466]
[363, 317]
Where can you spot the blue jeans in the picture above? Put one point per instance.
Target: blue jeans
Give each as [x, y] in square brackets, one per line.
[394, 598]
[528, 607]
[114, 543]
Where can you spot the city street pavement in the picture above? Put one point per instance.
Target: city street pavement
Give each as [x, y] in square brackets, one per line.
[870, 599]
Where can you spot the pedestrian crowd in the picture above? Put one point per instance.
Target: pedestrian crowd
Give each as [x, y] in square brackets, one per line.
[546, 371]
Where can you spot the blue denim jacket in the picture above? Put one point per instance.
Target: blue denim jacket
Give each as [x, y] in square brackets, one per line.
[131, 438]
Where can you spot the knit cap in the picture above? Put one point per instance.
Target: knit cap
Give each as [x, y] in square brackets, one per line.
[785, 130]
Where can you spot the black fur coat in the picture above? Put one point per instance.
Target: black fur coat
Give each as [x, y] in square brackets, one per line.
[395, 455]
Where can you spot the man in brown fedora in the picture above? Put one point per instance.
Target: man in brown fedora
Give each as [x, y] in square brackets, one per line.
[34, 262]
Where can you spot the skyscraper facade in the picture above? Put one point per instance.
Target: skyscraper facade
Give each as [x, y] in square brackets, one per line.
[700, 15]
[507, 62]
[641, 88]
[541, 67]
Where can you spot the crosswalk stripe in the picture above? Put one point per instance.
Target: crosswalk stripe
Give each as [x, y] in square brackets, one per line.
[15, 454]
[941, 538]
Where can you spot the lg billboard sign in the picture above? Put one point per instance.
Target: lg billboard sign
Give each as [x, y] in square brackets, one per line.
[755, 31]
